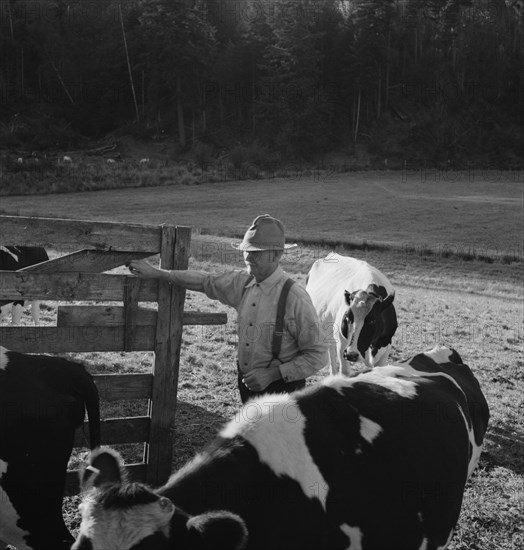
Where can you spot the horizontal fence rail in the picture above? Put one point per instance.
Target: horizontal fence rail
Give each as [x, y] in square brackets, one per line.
[124, 387]
[87, 261]
[117, 431]
[114, 316]
[71, 287]
[70, 235]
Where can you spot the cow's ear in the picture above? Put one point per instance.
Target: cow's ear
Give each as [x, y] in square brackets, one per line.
[348, 297]
[378, 292]
[455, 357]
[216, 531]
[374, 291]
[389, 300]
[104, 467]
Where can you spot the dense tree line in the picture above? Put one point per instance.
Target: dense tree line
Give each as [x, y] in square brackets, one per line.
[440, 79]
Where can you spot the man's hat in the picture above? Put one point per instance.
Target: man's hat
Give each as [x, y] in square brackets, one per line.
[265, 233]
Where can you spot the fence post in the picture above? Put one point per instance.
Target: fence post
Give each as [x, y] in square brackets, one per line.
[174, 255]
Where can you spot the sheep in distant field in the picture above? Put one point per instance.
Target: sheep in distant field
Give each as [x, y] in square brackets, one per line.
[111, 161]
[144, 162]
[67, 160]
[20, 160]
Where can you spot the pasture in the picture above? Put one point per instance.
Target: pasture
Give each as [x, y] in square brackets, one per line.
[451, 246]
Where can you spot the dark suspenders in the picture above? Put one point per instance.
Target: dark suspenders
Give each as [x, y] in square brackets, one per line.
[279, 322]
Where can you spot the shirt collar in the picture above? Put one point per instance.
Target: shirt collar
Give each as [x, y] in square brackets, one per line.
[267, 284]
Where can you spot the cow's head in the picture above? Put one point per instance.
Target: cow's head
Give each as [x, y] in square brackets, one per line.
[120, 515]
[362, 322]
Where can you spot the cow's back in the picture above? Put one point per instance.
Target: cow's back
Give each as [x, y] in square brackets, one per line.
[42, 402]
[388, 448]
[329, 277]
[373, 462]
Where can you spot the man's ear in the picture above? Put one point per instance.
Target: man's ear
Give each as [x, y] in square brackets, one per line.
[216, 531]
[104, 467]
[277, 255]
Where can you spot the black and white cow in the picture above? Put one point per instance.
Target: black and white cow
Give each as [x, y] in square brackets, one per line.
[42, 403]
[13, 258]
[378, 461]
[354, 302]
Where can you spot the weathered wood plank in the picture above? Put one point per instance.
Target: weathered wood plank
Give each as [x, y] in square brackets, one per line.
[17, 285]
[136, 472]
[114, 316]
[116, 431]
[162, 406]
[86, 261]
[73, 339]
[73, 234]
[131, 289]
[118, 387]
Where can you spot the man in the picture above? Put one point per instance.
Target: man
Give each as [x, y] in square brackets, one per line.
[266, 364]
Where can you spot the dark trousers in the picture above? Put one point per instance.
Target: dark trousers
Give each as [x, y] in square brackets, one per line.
[275, 387]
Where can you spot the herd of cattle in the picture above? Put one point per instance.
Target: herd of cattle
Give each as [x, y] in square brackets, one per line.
[375, 461]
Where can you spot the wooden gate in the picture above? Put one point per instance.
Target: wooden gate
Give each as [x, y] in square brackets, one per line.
[86, 250]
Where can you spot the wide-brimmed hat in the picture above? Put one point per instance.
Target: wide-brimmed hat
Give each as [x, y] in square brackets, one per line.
[265, 233]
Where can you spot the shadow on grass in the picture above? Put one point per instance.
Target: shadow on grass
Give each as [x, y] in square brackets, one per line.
[195, 427]
[504, 446]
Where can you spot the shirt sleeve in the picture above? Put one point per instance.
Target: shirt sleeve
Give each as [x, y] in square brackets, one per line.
[304, 326]
[227, 288]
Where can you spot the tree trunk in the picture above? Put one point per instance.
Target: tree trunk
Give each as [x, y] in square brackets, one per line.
[357, 118]
[379, 91]
[22, 83]
[10, 15]
[180, 114]
[128, 63]
[193, 128]
[388, 66]
[221, 106]
[64, 87]
[203, 111]
[253, 100]
[143, 94]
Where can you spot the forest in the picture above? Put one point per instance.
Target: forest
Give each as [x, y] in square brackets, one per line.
[418, 79]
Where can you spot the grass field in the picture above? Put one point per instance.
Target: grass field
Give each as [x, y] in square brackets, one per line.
[473, 302]
[458, 212]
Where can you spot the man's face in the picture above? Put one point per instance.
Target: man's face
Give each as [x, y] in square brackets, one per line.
[261, 264]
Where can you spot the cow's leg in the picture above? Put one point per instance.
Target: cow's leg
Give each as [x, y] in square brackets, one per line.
[5, 311]
[17, 314]
[381, 357]
[333, 360]
[35, 312]
[343, 364]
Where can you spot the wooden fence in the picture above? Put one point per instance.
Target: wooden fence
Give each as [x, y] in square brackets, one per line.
[93, 248]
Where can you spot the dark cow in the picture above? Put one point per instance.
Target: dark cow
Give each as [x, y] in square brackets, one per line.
[354, 302]
[42, 403]
[13, 258]
[378, 461]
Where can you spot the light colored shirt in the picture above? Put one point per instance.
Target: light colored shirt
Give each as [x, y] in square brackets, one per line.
[302, 352]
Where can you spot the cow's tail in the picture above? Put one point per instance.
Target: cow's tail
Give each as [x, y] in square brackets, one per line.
[92, 404]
